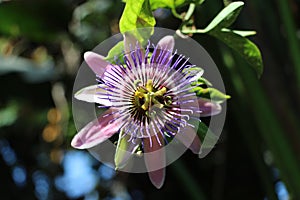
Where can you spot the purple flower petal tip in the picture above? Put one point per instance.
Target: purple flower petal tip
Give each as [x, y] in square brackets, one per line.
[157, 177]
[167, 43]
[96, 62]
[130, 42]
[96, 131]
[209, 108]
[77, 143]
[155, 160]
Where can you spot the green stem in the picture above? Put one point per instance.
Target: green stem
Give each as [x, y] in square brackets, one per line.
[193, 31]
[246, 129]
[293, 42]
[271, 131]
[190, 12]
[175, 13]
[191, 186]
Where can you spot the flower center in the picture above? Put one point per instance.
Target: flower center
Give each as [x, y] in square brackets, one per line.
[147, 97]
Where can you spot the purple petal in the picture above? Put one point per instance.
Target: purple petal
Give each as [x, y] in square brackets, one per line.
[157, 177]
[129, 43]
[96, 62]
[96, 131]
[155, 160]
[132, 44]
[166, 43]
[189, 138]
[164, 50]
[208, 108]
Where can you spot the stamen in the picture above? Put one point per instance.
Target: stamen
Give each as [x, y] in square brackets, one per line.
[149, 92]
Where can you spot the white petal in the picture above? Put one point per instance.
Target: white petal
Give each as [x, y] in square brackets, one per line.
[92, 94]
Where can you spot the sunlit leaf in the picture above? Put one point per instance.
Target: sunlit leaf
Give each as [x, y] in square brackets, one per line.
[166, 3]
[115, 53]
[233, 38]
[137, 14]
[226, 17]
[207, 137]
[247, 49]
[201, 81]
[155, 4]
[124, 151]
[211, 93]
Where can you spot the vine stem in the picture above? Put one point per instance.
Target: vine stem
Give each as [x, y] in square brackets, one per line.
[193, 31]
[190, 12]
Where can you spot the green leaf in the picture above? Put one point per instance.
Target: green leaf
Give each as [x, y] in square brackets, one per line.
[116, 52]
[233, 38]
[124, 150]
[201, 81]
[247, 49]
[207, 137]
[173, 4]
[215, 95]
[137, 14]
[199, 1]
[211, 93]
[226, 17]
[155, 4]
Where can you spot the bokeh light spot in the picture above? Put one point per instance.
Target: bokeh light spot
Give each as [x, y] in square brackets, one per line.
[106, 172]
[8, 154]
[79, 177]
[53, 116]
[19, 175]
[42, 185]
[51, 132]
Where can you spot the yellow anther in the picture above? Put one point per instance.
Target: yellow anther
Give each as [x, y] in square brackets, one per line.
[145, 106]
[139, 94]
[160, 92]
[149, 85]
[150, 97]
